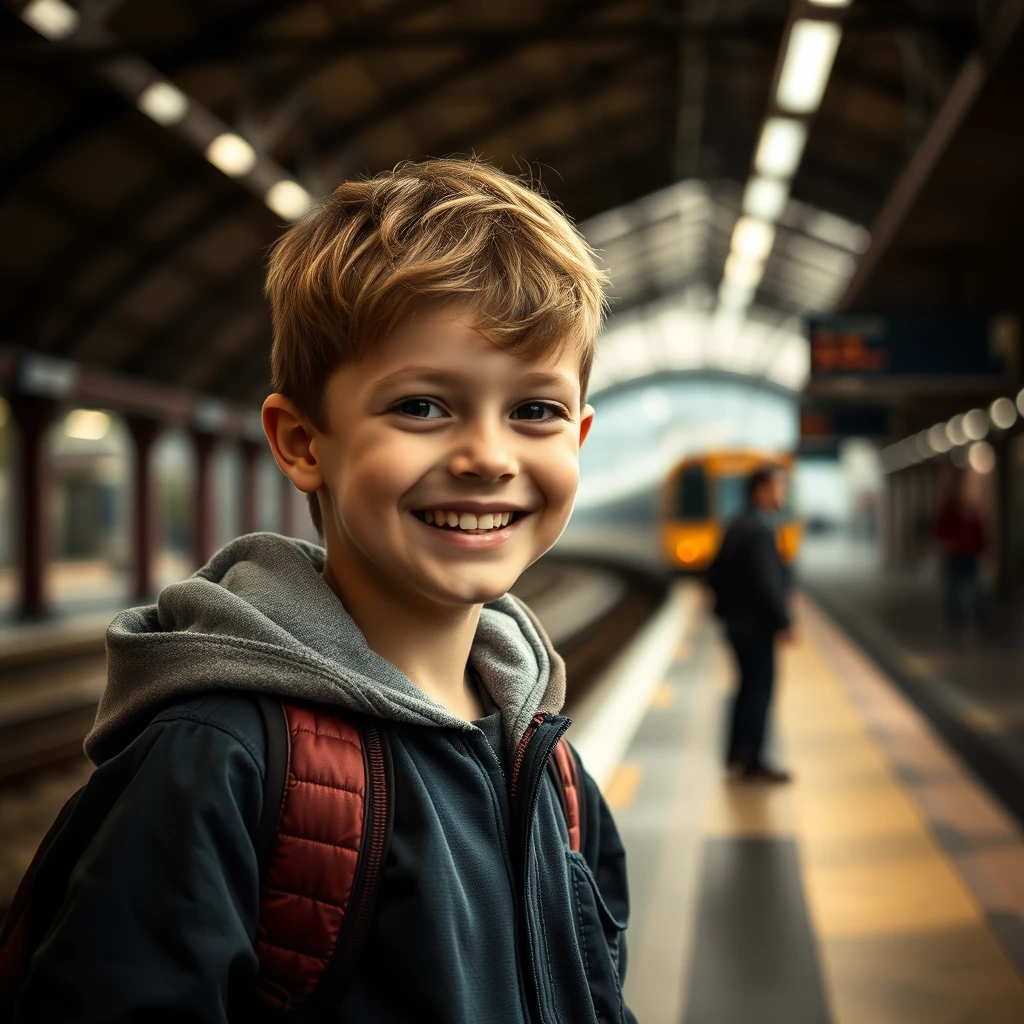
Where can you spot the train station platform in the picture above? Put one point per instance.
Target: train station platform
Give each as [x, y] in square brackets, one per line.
[885, 885]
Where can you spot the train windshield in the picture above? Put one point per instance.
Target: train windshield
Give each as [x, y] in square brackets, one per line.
[692, 494]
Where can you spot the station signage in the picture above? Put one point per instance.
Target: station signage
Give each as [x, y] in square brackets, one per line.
[905, 345]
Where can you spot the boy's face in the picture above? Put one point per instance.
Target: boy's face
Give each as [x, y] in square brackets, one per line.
[450, 464]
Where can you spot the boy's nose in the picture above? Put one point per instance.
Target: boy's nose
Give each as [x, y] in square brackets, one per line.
[483, 455]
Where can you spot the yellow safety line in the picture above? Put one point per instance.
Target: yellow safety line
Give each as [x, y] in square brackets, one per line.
[621, 790]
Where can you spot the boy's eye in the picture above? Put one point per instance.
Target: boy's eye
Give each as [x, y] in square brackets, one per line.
[536, 411]
[421, 408]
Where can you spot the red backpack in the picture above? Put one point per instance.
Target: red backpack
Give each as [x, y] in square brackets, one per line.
[321, 841]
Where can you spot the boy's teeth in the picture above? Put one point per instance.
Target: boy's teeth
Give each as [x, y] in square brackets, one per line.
[467, 520]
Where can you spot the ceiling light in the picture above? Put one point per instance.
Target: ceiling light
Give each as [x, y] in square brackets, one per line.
[975, 425]
[981, 457]
[163, 103]
[831, 3]
[781, 147]
[231, 154]
[924, 445]
[765, 198]
[837, 230]
[939, 439]
[51, 18]
[955, 430]
[1002, 413]
[735, 297]
[87, 424]
[753, 238]
[288, 199]
[812, 49]
[1020, 401]
[743, 272]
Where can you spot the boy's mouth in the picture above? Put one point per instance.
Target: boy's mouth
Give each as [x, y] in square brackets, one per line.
[469, 522]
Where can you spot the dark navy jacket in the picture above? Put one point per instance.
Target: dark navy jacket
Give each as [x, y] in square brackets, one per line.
[484, 914]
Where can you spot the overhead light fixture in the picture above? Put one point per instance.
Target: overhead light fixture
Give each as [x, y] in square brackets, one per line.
[288, 199]
[981, 457]
[87, 424]
[781, 147]
[1020, 401]
[231, 154]
[975, 425]
[955, 430]
[831, 3]
[923, 442]
[765, 198]
[1003, 413]
[163, 103]
[743, 272]
[812, 49]
[735, 297]
[51, 18]
[939, 439]
[753, 238]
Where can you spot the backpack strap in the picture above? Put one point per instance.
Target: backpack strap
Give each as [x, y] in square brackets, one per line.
[28, 914]
[567, 772]
[326, 795]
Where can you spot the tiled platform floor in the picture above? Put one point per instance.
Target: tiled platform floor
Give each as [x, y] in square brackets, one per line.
[884, 886]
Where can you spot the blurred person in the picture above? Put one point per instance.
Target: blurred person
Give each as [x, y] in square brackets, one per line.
[962, 538]
[751, 587]
[434, 330]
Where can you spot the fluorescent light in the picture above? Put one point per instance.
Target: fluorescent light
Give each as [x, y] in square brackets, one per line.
[831, 3]
[781, 147]
[939, 439]
[765, 198]
[812, 49]
[231, 154]
[1003, 413]
[87, 424]
[981, 457]
[955, 430]
[753, 238]
[924, 445]
[735, 297]
[51, 18]
[975, 425]
[163, 103]
[288, 199]
[743, 272]
[837, 230]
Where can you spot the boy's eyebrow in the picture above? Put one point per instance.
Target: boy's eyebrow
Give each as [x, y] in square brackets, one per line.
[538, 378]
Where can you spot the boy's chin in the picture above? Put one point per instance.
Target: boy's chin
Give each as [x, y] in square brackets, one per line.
[473, 590]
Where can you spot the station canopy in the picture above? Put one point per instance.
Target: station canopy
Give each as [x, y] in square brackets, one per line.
[153, 149]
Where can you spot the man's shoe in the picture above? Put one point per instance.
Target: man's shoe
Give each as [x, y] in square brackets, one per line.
[762, 773]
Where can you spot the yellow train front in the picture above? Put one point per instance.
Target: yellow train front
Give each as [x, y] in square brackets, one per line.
[703, 494]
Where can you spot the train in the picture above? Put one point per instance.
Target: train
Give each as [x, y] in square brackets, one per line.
[703, 493]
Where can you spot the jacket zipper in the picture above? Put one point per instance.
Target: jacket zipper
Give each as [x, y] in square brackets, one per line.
[517, 762]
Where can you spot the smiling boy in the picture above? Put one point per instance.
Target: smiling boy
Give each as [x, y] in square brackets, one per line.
[434, 331]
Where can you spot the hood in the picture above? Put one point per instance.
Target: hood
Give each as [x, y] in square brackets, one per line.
[259, 617]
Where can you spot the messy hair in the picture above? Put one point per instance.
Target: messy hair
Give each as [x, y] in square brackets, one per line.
[437, 231]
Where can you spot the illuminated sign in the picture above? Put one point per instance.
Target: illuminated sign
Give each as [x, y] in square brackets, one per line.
[902, 344]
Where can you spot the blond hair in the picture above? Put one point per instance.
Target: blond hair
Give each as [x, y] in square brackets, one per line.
[436, 231]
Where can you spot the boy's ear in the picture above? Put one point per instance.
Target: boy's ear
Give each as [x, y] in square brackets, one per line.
[290, 435]
[586, 422]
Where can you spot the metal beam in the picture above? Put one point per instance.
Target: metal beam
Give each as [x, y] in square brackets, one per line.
[149, 260]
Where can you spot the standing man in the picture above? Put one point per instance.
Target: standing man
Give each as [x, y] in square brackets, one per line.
[751, 589]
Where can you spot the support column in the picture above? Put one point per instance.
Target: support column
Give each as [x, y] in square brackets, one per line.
[202, 499]
[249, 520]
[144, 433]
[34, 415]
[287, 507]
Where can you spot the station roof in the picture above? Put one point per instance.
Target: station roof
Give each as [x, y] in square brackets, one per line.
[123, 247]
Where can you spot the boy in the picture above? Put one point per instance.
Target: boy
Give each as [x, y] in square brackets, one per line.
[434, 329]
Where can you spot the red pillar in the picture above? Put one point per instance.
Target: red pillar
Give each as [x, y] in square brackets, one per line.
[287, 507]
[144, 432]
[33, 416]
[250, 485]
[202, 523]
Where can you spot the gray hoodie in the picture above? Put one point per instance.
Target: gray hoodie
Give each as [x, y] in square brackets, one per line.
[259, 617]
